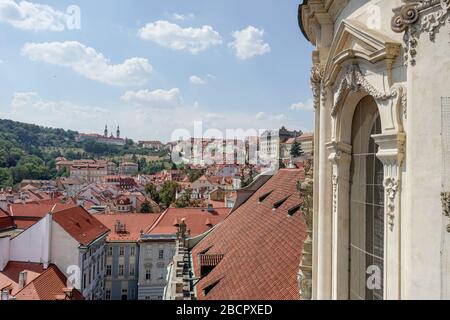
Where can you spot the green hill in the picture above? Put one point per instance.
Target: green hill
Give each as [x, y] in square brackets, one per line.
[28, 151]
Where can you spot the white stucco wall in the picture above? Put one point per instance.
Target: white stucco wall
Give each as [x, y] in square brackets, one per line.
[32, 244]
[427, 84]
[64, 249]
[4, 252]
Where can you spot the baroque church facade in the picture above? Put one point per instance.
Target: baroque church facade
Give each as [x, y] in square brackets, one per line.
[380, 80]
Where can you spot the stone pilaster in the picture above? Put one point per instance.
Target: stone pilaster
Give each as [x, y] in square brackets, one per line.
[392, 153]
[340, 157]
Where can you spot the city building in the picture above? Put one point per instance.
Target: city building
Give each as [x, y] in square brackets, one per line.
[71, 239]
[306, 143]
[122, 261]
[111, 140]
[382, 147]
[128, 168]
[157, 244]
[89, 172]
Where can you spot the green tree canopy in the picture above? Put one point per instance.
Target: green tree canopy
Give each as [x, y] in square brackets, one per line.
[296, 150]
[168, 192]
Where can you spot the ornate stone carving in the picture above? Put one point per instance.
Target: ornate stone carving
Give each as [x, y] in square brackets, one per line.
[411, 19]
[316, 81]
[355, 81]
[391, 188]
[445, 196]
[304, 276]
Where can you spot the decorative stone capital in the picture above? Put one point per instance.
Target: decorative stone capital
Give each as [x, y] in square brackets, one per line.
[339, 152]
[316, 83]
[391, 148]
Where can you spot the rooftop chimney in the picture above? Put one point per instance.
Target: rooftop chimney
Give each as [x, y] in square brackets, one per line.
[22, 279]
[210, 208]
[5, 294]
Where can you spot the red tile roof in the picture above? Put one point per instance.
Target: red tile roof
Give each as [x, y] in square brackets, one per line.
[261, 247]
[9, 277]
[36, 210]
[6, 222]
[134, 224]
[26, 215]
[198, 220]
[80, 224]
[50, 284]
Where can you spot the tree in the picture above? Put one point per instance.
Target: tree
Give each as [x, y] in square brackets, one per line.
[185, 200]
[296, 150]
[6, 179]
[168, 192]
[150, 190]
[146, 208]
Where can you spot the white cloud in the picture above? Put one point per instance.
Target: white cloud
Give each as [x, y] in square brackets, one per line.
[183, 17]
[31, 16]
[249, 43]
[89, 63]
[157, 98]
[170, 35]
[303, 106]
[196, 80]
[261, 116]
[142, 122]
[30, 107]
[278, 118]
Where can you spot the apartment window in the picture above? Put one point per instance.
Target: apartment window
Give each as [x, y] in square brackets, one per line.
[132, 251]
[108, 270]
[110, 251]
[90, 276]
[121, 268]
[132, 269]
[84, 280]
[98, 266]
[108, 294]
[161, 254]
[121, 251]
[148, 274]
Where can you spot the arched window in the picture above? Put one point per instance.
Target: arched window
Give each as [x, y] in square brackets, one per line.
[366, 206]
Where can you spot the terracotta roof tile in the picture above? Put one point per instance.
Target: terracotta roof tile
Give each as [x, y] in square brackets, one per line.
[80, 224]
[51, 284]
[261, 247]
[196, 220]
[9, 277]
[134, 224]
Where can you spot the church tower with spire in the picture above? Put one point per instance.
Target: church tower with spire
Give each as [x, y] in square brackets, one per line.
[106, 130]
[118, 132]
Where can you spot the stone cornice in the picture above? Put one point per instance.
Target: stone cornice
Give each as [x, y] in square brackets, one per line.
[314, 13]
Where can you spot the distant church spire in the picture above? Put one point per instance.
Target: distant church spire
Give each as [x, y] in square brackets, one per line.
[106, 130]
[118, 132]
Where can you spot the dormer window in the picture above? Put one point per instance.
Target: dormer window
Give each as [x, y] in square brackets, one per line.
[278, 204]
[264, 196]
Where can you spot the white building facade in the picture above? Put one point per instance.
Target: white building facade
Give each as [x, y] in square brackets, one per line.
[155, 254]
[382, 136]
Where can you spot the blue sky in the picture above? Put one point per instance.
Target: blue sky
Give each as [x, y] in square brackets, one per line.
[155, 66]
